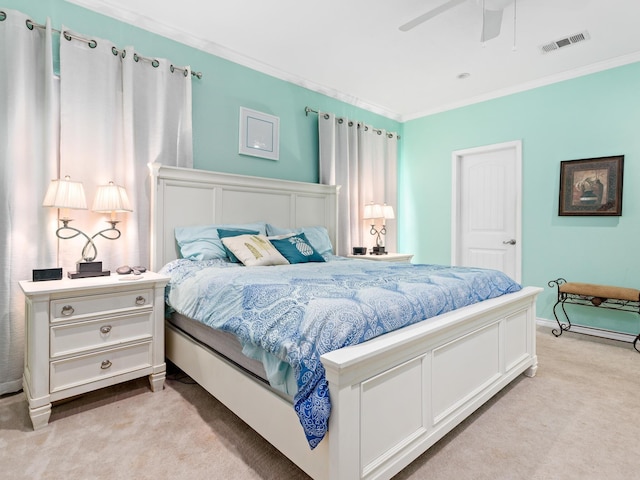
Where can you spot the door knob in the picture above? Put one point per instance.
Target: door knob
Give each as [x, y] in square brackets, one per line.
[510, 242]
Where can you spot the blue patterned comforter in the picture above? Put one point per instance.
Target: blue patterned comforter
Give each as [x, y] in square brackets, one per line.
[299, 312]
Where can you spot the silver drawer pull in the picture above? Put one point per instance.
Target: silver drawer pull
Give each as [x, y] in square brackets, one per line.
[67, 310]
[105, 329]
[105, 364]
[140, 300]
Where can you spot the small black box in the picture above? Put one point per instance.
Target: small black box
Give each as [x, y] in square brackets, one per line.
[44, 274]
[359, 250]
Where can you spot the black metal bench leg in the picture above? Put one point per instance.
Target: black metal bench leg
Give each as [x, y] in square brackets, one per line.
[561, 326]
[557, 331]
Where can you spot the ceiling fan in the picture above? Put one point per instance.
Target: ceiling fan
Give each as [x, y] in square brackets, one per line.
[491, 17]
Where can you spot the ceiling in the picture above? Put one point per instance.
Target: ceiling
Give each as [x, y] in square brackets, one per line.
[353, 50]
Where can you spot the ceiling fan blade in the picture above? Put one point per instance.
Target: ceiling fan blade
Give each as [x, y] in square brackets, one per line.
[430, 14]
[492, 21]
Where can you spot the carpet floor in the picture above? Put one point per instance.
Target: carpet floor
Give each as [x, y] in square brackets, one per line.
[579, 418]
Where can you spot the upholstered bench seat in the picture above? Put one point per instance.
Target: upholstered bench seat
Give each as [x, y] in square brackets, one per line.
[600, 291]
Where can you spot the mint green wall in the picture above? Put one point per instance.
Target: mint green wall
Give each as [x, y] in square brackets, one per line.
[218, 96]
[591, 116]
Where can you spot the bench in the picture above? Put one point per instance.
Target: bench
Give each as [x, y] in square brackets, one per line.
[593, 295]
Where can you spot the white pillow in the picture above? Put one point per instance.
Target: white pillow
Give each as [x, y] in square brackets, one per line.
[254, 250]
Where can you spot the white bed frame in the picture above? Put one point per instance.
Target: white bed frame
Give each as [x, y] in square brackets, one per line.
[392, 397]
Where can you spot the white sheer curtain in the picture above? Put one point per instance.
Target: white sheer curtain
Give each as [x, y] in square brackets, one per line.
[157, 128]
[91, 140]
[363, 160]
[28, 161]
[119, 112]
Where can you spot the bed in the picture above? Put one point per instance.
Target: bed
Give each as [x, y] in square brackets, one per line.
[438, 372]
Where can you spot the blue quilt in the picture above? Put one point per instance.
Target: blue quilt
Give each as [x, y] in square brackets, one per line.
[299, 312]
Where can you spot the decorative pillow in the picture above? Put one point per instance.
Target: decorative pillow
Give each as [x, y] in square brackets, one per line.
[222, 233]
[254, 250]
[297, 249]
[201, 242]
[317, 236]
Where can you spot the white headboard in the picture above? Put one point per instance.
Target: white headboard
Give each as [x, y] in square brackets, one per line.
[183, 197]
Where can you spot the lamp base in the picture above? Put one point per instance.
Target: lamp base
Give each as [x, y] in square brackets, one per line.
[378, 251]
[86, 267]
[74, 275]
[89, 269]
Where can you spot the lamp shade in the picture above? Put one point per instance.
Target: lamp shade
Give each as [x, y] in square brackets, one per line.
[373, 210]
[111, 198]
[388, 211]
[64, 193]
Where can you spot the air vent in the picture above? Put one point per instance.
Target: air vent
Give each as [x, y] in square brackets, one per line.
[565, 42]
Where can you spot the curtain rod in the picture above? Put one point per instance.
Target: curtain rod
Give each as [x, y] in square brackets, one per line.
[93, 44]
[308, 110]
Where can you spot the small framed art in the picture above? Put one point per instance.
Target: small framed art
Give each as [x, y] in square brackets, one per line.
[259, 134]
[592, 186]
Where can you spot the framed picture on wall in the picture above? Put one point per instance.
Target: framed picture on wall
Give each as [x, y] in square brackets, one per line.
[259, 134]
[592, 186]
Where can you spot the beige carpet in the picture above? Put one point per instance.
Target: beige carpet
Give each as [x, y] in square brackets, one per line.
[579, 418]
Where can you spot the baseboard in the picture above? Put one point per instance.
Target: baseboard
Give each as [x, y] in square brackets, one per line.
[593, 332]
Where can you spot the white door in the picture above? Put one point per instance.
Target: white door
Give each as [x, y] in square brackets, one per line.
[486, 213]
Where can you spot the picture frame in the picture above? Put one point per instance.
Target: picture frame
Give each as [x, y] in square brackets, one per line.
[591, 186]
[259, 134]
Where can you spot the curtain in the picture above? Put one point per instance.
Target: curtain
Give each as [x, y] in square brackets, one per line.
[119, 112]
[157, 128]
[91, 140]
[363, 160]
[28, 161]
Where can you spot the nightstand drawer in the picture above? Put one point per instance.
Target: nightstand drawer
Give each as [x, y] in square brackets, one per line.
[75, 308]
[77, 337]
[97, 366]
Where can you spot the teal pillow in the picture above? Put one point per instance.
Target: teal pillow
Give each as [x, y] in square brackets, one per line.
[222, 233]
[317, 236]
[297, 249]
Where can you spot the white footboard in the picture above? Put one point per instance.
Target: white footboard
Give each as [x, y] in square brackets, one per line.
[397, 395]
[393, 396]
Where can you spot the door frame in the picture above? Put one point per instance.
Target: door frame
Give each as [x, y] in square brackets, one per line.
[457, 158]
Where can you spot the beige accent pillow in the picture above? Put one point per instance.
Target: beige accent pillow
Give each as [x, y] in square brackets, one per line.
[254, 250]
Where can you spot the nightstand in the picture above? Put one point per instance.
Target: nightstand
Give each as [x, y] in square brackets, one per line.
[388, 257]
[89, 333]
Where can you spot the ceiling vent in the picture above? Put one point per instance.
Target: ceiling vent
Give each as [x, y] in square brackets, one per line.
[565, 42]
